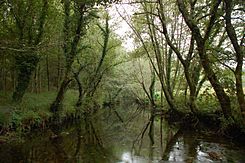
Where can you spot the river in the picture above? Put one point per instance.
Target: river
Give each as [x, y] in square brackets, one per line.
[103, 138]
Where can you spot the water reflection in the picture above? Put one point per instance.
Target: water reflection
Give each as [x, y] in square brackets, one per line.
[145, 138]
[193, 147]
[90, 143]
[127, 157]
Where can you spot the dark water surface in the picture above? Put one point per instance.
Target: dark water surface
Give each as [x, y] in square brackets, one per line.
[103, 138]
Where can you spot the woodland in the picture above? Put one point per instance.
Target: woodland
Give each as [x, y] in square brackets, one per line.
[61, 60]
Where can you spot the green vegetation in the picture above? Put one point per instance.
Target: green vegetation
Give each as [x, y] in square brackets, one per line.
[60, 59]
[33, 112]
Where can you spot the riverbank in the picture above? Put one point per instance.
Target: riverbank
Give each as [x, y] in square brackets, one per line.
[209, 123]
[101, 137]
[33, 112]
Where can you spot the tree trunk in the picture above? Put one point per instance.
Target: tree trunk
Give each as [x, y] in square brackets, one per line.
[39, 79]
[239, 90]
[13, 78]
[4, 74]
[80, 89]
[185, 62]
[26, 64]
[70, 55]
[99, 73]
[58, 73]
[239, 54]
[152, 88]
[192, 87]
[168, 71]
[1, 74]
[57, 104]
[223, 98]
[47, 72]
[34, 89]
[156, 47]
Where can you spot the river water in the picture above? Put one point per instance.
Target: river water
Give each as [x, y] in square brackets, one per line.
[104, 138]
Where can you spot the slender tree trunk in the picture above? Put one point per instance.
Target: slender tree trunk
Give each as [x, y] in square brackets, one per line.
[1, 77]
[162, 99]
[58, 73]
[80, 89]
[176, 76]
[169, 99]
[4, 74]
[35, 81]
[152, 88]
[13, 79]
[39, 79]
[167, 92]
[96, 79]
[168, 71]
[47, 72]
[192, 87]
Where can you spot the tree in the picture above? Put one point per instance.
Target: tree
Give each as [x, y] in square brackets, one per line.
[202, 41]
[70, 47]
[98, 59]
[152, 47]
[191, 77]
[84, 12]
[239, 51]
[29, 19]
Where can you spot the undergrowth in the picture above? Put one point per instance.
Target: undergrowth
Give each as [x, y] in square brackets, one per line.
[33, 112]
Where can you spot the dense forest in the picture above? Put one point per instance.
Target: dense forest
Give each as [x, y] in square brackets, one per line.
[61, 60]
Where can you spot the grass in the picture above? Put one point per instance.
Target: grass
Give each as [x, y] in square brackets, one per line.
[33, 111]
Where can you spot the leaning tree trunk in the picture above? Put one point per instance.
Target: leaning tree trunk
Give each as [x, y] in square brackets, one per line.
[57, 104]
[223, 98]
[70, 55]
[239, 89]
[26, 64]
[239, 53]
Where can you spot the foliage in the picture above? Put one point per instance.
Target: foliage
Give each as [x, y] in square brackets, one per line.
[33, 112]
[66, 53]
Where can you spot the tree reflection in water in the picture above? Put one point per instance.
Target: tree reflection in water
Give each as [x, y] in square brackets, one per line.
[142, 138]
[90, 147]
[156, 141]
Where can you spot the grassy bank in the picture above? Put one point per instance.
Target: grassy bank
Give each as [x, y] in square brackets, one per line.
[33, 111]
